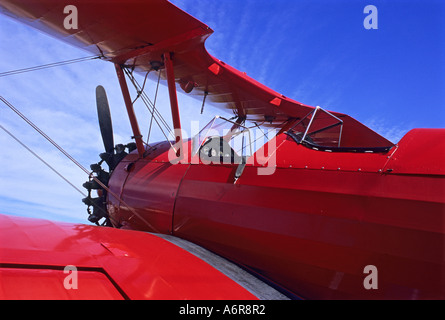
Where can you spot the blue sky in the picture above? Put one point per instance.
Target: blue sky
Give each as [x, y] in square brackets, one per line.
[316, 52]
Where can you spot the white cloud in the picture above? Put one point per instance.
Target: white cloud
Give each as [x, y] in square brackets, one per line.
[391, 132]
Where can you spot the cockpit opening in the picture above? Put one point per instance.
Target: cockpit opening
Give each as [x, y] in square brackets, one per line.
[229, 141]
[321, 130]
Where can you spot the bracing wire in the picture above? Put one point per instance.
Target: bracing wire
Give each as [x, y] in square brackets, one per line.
[154, 104]
[45, 163]
[149, 104]
[29, 122]
[142, 89]
[156, 115]
[41, 159]
[46, 66]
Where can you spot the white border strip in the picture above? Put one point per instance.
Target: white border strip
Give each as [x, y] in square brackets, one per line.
[252, 284]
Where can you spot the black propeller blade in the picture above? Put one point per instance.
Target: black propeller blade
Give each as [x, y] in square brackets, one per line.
[104, 115]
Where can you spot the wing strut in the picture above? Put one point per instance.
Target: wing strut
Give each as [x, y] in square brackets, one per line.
[133, 121]
[173, 101]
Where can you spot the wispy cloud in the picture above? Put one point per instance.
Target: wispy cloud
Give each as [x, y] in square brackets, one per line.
[391, 132]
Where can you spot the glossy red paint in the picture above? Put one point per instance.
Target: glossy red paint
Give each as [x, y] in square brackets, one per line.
[420, 152]
[134, 180]
[315, 223]
[111, 264]
[25, 282]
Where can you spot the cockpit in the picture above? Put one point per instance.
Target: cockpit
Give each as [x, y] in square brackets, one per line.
[223, 141]
[321, 130]
[231, 141]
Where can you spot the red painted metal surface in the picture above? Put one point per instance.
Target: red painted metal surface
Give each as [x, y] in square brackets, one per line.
[111, 263]
[150, 187]
[43, 283]
[321, 217]
[421, 151]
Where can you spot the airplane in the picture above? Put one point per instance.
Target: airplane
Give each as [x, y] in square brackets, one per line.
[307, 213]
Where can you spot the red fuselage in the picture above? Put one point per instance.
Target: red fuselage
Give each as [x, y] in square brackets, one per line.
[313, 225]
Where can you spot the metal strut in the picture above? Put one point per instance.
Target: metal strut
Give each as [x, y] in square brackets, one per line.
[173, 102]
[131, 115]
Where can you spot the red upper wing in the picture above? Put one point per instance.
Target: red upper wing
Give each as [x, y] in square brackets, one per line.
[137, 33]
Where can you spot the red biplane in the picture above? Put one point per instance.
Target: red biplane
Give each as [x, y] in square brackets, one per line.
[322, 202]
